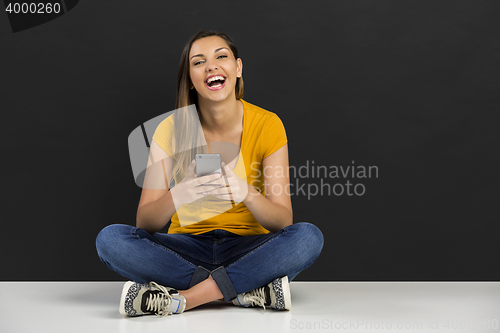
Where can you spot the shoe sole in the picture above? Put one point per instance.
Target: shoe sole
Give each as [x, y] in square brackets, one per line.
[125, 289]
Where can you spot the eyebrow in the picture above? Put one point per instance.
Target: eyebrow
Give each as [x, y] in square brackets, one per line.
[217, 50]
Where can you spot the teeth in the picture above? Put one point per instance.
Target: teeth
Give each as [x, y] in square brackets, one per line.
[213, 78]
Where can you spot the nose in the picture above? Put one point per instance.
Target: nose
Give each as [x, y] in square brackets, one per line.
[211, 65]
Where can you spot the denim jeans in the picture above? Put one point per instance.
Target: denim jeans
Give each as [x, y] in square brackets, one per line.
[237, 263]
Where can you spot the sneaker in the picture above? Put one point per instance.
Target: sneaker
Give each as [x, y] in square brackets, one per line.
[275, 295]
[150, 298]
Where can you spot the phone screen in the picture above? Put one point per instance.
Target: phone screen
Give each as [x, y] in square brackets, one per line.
[207, 164]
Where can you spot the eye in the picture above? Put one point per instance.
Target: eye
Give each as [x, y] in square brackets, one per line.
[198, 62]
[222, 55]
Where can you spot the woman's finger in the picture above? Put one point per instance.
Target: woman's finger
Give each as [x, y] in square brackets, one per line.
[208, 179]
[206, 188]
[217, 191]
[227, 197]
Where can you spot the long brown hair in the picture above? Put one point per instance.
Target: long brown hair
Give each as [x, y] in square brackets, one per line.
[187, 134]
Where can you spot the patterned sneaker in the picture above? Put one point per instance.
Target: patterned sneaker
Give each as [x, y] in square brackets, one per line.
[275, 295]
[151, 298]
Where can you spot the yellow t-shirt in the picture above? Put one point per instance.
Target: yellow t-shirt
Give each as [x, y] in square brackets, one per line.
[263, 134]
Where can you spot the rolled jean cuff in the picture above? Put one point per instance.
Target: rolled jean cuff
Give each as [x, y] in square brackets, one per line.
[200, 274]
[225, 285]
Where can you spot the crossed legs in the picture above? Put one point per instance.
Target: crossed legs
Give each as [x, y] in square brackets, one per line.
[180, 261]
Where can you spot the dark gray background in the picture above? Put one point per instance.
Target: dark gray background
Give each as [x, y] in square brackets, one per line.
[408, 86]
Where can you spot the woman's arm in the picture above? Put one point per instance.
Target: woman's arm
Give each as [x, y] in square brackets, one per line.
[274, 211]
[156, 206]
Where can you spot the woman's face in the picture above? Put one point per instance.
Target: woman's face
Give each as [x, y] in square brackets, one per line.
[213, 69]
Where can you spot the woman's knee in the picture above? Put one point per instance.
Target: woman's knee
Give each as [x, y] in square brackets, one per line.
[109, 237]
[308, 237]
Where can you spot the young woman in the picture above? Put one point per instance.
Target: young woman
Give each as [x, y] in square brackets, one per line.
[247, 251]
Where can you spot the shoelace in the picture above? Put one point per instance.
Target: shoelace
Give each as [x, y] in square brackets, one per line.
[256, 297]
[159, 303]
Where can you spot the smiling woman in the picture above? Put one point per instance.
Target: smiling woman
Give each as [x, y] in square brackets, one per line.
[227, 69]
[246, 254]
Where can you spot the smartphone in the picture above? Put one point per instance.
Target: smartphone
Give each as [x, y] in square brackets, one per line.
[207, 164]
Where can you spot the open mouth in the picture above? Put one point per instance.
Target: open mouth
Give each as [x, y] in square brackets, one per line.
[215, 82]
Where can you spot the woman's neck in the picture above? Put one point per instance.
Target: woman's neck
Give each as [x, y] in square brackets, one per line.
[220, 117]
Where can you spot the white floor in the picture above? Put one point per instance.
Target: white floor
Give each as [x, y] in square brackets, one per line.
[316, 306]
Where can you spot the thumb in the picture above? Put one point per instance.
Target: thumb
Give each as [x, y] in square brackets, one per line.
[190, 169]
[227, 169]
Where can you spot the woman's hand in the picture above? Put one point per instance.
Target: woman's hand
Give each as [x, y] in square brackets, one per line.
[192, 188]
[235, 188]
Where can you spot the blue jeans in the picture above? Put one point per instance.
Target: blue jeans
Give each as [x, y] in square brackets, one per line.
[237, 263]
